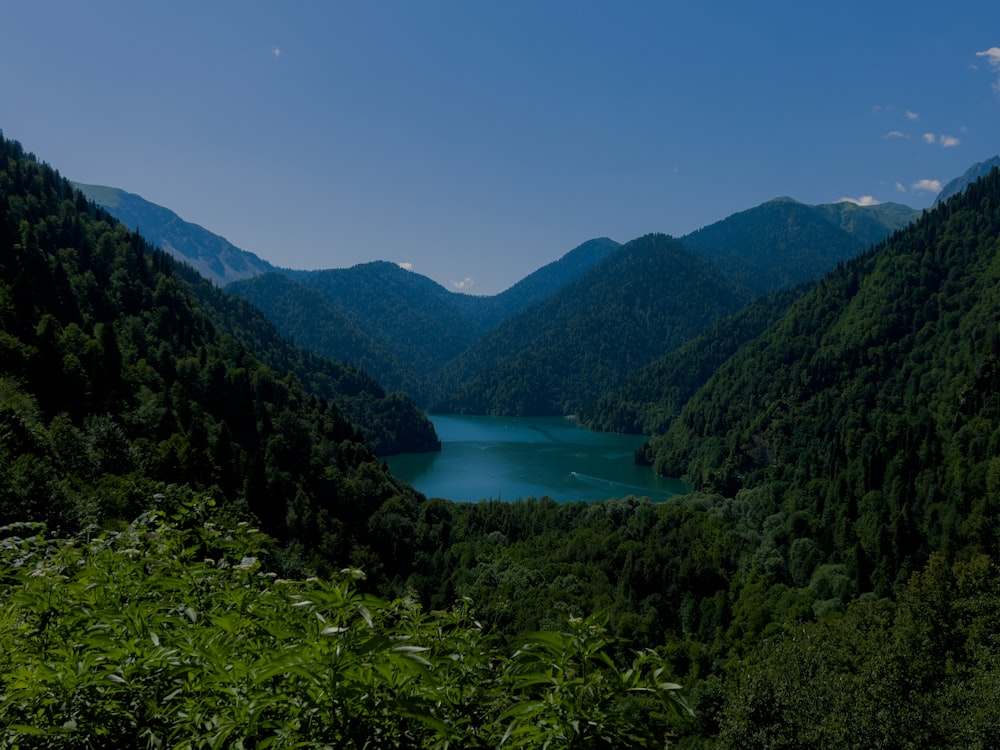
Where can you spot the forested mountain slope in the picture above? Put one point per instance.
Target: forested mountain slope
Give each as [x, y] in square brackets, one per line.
[391, 423]
[973, 173]
[565, 352]
[871, 409]
[782, 243]
[398, 325]
[119, 385]
[211, 255]
[651, 398]
[548, 279]
[409, 325]
[308, 318]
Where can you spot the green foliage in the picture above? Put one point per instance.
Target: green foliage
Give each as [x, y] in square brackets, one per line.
[922, 673]
[397, 325]
[561, 355]
[649, 401]
[169, 634]
[211, 255]
[126, 376]
[870, 408]
[782, 243]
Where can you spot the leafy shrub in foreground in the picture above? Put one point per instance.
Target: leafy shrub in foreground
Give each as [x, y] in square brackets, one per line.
[168, 634]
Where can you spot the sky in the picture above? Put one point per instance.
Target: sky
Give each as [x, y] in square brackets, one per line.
[474, 142]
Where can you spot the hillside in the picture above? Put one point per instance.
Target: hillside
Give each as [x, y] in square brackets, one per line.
[549, 279]
[833, 583]
[123, 384]
[562, 354]
[871, 407]
[308, 318]
[960, 183]
[649, 401]
[398, 325]
[782, 243]
[211, 255]
[390, 423]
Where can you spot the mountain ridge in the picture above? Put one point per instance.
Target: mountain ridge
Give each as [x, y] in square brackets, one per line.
[208, 253]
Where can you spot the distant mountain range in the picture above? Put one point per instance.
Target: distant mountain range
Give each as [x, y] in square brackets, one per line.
[973, 173]
[782, 242]
[212, 256]
[453, 351]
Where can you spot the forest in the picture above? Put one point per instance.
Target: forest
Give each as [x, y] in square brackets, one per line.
[199, 546]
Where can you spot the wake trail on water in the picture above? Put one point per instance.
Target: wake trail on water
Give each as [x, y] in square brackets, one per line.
[608, 482]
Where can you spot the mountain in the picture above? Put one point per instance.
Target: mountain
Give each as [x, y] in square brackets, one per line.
[307, 317]
[359, 397]
[869, 224]
[973, 173]
[869, 412]
[561, 354]
[212, 256]
[398, 325]
[127, 381]
[787, 233]
[390, 423]
[782, 242]
[651, 398]
[549, 279]
[401, 324]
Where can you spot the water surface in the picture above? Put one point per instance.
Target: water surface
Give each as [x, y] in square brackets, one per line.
[507, 458]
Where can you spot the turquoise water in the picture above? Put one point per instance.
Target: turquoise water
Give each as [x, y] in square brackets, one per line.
[507, 458]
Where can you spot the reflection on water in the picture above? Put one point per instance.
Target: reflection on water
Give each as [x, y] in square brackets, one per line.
[507, 458]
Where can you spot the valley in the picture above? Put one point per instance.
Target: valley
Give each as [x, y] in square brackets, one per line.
[204, 532]
[512, 458]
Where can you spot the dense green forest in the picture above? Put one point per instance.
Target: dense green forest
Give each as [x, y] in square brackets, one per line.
[782, 242]
[870, 410]
[199, 549]
[124, 376]
[561, 355]
[651, 398]
[412, 335]
[399, 326]
[211, 255]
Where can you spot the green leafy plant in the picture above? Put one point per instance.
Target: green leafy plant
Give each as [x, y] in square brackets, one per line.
[169, 634]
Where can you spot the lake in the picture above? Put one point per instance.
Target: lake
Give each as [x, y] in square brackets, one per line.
[507, 458]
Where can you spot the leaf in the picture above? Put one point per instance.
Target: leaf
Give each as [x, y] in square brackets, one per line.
[411, 649]
[521, 709]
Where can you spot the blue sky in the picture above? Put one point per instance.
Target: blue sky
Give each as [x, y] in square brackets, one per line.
[478, 141]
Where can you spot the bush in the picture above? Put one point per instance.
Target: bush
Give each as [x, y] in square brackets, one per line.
[169, 634]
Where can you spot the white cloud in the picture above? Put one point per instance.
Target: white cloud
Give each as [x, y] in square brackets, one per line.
[927, 186]
[406, 266]
[464, 283]
[276, 51]
[864, 200]
[900, 187]
[912, 115]
[896, 134]
[946, 141]
[992, 56]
